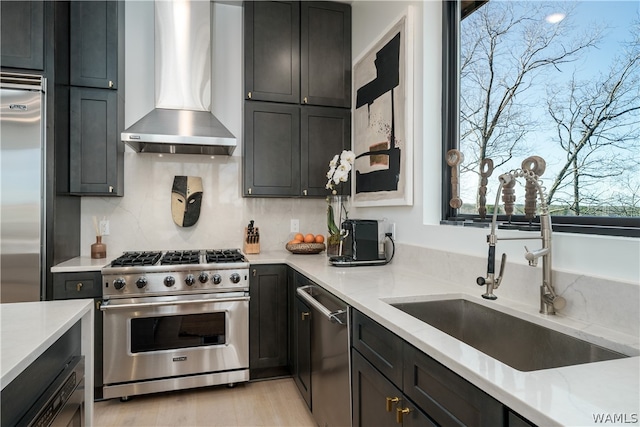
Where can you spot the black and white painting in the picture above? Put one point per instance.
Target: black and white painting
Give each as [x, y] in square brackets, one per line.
[383, 120]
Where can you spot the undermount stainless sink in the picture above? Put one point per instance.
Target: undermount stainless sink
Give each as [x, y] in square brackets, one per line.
[518, 343]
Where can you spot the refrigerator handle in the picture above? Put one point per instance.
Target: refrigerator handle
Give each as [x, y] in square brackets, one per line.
[338, 316]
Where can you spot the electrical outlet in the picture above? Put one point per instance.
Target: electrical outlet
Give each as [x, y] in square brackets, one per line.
[295, 226]
[104, 227]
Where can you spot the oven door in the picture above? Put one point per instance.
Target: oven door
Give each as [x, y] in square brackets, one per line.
[163, 337]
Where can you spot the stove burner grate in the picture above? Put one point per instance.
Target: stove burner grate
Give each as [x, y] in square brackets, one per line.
[129, 259]
[227, 255]
[180, 257]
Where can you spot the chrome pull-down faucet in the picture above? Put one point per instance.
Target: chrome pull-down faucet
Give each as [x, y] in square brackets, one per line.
[549, 300]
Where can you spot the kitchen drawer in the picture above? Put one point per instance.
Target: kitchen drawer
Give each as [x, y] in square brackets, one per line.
[446, 397]
[77, 285]
[378, 345]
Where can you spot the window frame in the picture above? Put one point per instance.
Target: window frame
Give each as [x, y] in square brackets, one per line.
[451, 17]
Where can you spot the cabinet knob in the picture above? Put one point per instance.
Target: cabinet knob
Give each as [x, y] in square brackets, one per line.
[98, 304]
[400, 413]
[391, 401]
[111, 189]
[254, 272]
[304, 315]
[305, 100]
[78, 286]
[304, 192]
[249, 191]
[249, 95]
[111, 84]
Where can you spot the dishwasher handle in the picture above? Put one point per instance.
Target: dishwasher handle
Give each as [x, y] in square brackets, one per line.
[338, 316]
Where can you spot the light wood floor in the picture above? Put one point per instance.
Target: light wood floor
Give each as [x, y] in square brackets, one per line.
[272, 403]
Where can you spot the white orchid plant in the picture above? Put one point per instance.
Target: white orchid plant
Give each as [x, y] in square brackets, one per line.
[339, 168]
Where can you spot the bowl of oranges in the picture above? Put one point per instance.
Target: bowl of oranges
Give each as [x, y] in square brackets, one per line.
[306, 244]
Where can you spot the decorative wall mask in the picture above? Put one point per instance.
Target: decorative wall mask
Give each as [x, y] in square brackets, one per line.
[186, 199]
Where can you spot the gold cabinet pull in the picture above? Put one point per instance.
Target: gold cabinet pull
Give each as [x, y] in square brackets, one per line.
[249, 191]
[400, 413]
[249, 95]
[78, 286]
[304, 192]
[111, 84]
[98, 304]
[111, 189]
[304, 315]
[305, 100]
[391, 401]
[254, 272]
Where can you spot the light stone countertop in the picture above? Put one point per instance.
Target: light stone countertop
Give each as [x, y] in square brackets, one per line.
[28, 329]
[81, 263]
[568, 396]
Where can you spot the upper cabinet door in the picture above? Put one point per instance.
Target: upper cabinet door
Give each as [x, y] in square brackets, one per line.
[22, 40]
[324, 132]
[272, 51]
[94, 44]
[325, 55]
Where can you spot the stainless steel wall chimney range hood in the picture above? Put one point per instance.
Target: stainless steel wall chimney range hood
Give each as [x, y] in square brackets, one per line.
[181, 122]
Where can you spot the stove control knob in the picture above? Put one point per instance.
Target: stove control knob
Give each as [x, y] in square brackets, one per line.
[203, 277]
[235, 278]
[190, 280]
[169, 281]
[141, 282]
[217, 279]
[119, 283]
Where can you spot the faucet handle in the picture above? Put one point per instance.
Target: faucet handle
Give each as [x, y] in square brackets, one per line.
[531, 257]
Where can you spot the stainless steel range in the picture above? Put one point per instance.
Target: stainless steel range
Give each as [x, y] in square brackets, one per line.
[174, 320]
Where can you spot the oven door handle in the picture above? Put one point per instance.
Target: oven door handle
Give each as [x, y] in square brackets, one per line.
[106, 306]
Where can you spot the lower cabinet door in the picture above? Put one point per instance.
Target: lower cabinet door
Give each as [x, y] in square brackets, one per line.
[377, 402]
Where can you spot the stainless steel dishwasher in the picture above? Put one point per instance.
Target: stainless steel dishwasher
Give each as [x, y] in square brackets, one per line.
[330, 376]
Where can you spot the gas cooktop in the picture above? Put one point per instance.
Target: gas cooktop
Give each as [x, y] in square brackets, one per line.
[179, 257]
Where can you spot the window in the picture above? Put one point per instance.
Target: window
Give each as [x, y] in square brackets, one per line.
[556, 80]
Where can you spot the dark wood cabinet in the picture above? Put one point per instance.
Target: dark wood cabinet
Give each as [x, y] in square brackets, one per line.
[271, 149]
[288, 148]
[77, 285]
[377, 402]
[22, 39]
[268, 323]
[298, 95]
[325, 54]
[94, 43]
[96, 98]
[325, 132]
[96, 155]
[424, 387]
[298, 52]
[272, 51]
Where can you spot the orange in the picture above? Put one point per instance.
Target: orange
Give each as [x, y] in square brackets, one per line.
[294, 242]
[319, 238]
[309, 238]
[299, 237]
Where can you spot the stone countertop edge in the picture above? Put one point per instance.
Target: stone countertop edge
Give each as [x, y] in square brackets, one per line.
[30, 328]
[567, 396]
[80, 264]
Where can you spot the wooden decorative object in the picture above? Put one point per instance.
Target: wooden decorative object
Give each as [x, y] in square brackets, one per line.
[537, 165]
[486, 169]
[454, 158]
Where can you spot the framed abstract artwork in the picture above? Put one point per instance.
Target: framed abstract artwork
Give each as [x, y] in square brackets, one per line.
[383, 119]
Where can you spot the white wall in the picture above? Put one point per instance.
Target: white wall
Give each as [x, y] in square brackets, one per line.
[142, 220]
[611, 257]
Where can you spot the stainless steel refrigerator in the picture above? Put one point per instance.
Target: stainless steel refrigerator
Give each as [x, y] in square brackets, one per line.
[22, 173]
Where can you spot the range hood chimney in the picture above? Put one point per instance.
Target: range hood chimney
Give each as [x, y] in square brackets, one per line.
[181, 122]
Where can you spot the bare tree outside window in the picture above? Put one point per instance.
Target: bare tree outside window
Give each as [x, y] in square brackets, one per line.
[560, 80]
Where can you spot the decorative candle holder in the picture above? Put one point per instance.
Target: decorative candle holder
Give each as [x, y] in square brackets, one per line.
[98, 249]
